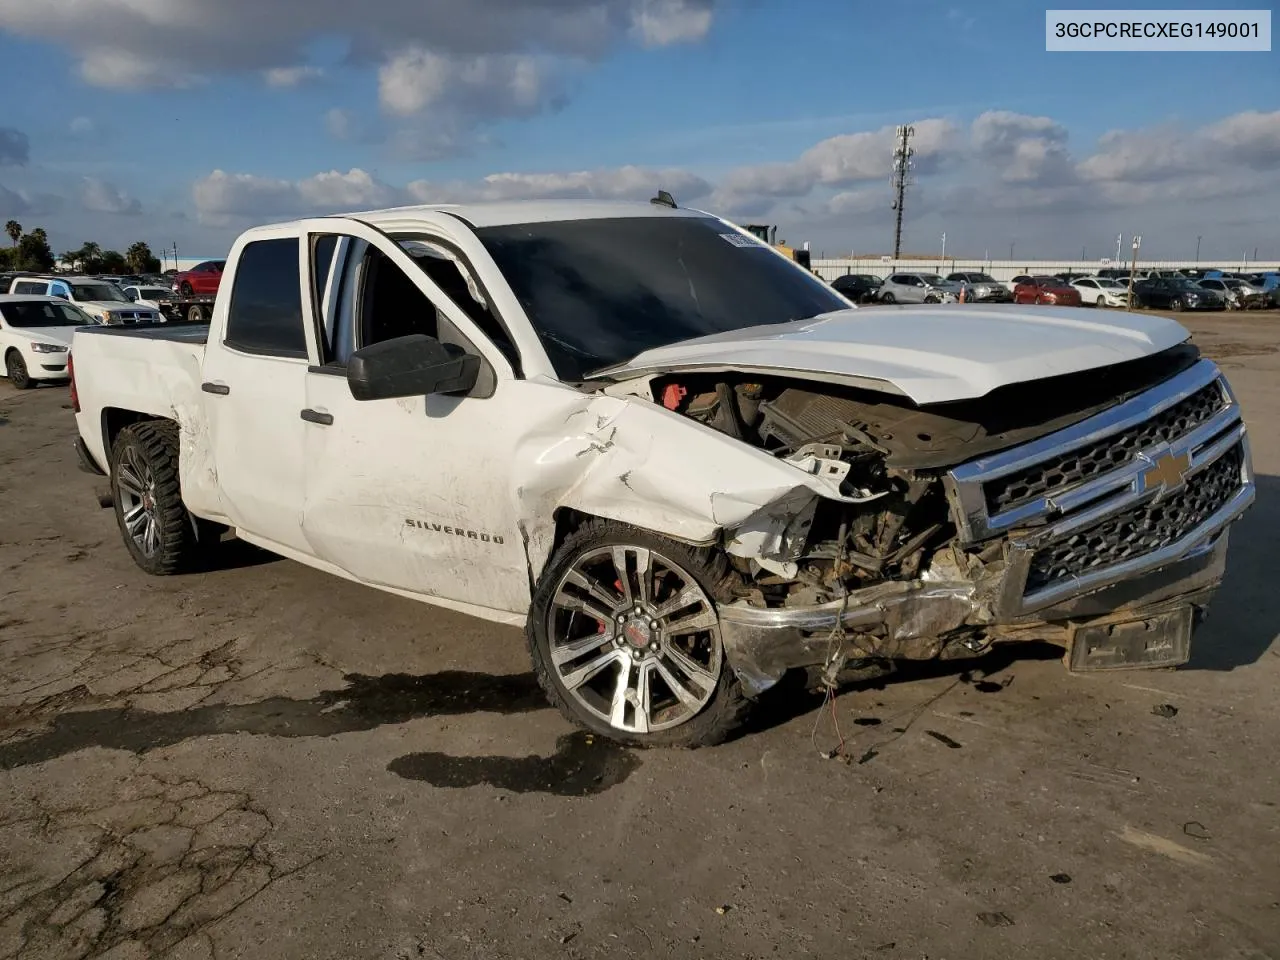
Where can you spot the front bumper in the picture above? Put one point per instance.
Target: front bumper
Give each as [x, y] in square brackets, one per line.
[1135, 600]
[916, 617]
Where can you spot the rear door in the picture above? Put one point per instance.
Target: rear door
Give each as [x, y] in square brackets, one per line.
[254, 388]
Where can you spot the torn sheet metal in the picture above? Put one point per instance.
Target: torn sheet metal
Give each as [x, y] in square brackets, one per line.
[633, 461]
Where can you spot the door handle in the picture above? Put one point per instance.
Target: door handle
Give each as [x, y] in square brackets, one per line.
[218, 389]
[315, 416]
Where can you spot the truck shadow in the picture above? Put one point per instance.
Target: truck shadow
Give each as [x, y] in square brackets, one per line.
[1244, 618]
[366, 703]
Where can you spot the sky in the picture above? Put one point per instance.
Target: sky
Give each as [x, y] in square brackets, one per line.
[185, 121]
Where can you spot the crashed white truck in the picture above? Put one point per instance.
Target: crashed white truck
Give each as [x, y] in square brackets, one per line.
[686, 465]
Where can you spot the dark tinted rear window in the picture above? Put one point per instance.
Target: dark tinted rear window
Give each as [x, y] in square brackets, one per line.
[598, 292]
[265, 315]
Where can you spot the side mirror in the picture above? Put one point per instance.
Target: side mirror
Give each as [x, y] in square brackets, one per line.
[412, 366]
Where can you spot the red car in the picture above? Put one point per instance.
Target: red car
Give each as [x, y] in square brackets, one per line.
[202, 278]
[1048, 290]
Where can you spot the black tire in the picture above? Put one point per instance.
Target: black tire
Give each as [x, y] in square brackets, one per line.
[1176, 304]
[180, 543]
[1102, 302]
[185, 289]
[1039, 301]
[16, 368]
[727, 706]
[932, 298]
[195, 314]
[888, 298]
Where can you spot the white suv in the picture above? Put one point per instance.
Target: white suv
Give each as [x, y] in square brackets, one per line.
[35, 338]
[104, 302]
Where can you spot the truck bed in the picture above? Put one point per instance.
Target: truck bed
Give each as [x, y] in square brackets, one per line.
[177, 332]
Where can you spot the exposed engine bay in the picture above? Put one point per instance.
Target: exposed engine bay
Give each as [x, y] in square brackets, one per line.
[893, 455]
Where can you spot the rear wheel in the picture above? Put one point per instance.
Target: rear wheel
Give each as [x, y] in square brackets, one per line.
[16, 368]
[161, 535]
[888, 298]
[196, 314]
[625, 639]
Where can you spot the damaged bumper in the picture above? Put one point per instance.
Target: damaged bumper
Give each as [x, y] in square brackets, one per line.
[1144, 620]
[1113, 569]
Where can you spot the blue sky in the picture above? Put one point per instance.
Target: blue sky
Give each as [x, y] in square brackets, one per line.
[182, 120]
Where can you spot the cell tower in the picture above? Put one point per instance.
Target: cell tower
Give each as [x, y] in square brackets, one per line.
[902, 166]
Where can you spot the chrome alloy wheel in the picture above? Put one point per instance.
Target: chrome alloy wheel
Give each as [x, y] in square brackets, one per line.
[136, 490]
[634, 639]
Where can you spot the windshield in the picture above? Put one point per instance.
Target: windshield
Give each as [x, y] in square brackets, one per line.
[981, 278]
[41, 313]
[1233, 284]
[598, 292]
[98, 291]
[152, 293]
[932, 279]
[1182, 283]
[1108, 282]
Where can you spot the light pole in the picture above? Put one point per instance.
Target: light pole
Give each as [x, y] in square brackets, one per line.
[1137, 242]
[1197, 249]
[1119, 241]
[944, 246]
[1010, 249]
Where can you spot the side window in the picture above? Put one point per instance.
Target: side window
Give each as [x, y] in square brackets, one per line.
[363, 298]
[265, 315]
[60, 290]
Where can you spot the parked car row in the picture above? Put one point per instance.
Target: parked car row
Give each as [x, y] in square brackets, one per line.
[1109, 287]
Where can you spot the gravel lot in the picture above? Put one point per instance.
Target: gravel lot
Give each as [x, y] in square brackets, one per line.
[264, 761]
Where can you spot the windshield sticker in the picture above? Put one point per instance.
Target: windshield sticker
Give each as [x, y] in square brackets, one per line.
[738, 240]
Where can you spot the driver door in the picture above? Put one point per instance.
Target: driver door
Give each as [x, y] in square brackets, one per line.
[415, 493]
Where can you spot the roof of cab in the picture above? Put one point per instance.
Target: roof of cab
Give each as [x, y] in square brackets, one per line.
[503, 213]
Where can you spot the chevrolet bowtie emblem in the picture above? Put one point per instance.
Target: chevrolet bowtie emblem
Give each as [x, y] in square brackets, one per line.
[1166, 472]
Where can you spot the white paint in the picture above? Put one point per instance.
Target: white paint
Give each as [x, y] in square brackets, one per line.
[454, 500]
[932, 354]
[25, 340]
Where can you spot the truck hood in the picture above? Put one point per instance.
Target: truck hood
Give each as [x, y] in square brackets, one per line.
[930, 354]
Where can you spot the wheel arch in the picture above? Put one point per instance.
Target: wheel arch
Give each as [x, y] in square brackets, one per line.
[115, 419]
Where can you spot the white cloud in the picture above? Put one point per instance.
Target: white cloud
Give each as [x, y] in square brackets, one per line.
[102, 197]
[659, 23]
[222, 198]
[1012, 178]
[284, 77]
[418, 79]
[1250, 138]
[82, 127]
[1025, 149]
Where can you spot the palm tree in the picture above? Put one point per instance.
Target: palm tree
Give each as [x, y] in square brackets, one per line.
[90, 251]
[70, 258]
[14, 229]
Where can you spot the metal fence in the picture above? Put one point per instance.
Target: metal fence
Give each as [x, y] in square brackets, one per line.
[1005, 270]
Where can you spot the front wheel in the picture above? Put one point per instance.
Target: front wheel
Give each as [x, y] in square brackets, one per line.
[1102, 302]
[1176, 304]
[931, 298]
[16, 368]
[888, 298]
[625, 639]
[185, 289]
[161, 535]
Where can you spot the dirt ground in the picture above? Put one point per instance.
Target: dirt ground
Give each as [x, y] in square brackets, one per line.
[264, 761]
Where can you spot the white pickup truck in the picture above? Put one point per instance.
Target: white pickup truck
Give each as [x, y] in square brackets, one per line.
[685, 464]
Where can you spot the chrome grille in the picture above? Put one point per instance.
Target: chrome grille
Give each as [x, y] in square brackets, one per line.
[1142, 530]
[1065, 470]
